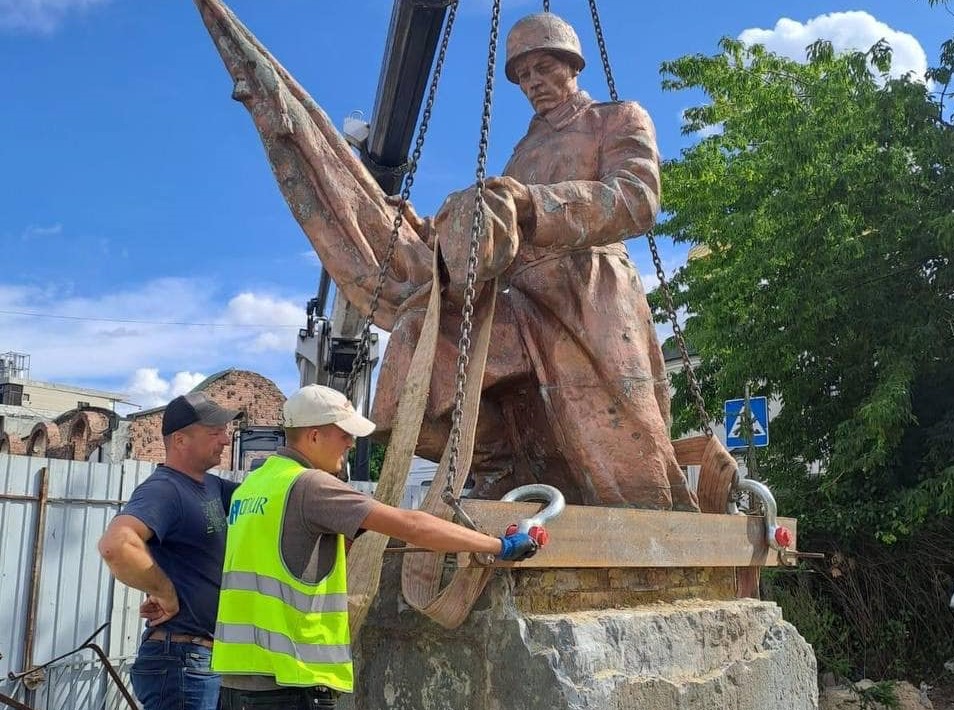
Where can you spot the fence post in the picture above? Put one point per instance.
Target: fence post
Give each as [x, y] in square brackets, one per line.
[39, 532]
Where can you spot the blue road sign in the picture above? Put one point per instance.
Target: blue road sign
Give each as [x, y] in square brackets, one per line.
[735, 422]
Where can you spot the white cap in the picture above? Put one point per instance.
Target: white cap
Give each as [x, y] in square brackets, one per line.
[316, 405]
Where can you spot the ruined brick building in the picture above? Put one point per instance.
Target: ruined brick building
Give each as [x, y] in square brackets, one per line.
[91, 429]
[257, 397]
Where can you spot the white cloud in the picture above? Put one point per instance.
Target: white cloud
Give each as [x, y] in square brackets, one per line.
[149, 389]
[253, 309]
[38, 232]
[855, 30]
[42, 16]
[273, 341]
[183, 382]
[159, 337]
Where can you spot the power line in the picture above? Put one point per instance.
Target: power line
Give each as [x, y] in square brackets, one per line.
[33, 314]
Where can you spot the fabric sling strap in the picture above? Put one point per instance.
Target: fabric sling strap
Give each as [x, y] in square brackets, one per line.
[421, 574]
[367, 552]
[422, 571]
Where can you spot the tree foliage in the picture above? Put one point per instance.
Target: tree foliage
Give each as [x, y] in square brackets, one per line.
[824, 201]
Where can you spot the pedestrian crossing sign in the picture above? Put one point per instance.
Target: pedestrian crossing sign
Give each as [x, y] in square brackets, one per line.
[736, 430]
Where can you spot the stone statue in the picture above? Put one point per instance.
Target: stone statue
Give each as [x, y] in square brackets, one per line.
[575, 392]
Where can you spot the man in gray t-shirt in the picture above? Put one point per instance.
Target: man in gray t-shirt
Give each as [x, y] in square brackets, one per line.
[320, 428]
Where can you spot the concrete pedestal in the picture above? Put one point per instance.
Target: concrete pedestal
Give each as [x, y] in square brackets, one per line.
[664, 655]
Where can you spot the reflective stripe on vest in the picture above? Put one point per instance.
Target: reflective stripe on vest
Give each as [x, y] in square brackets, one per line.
[269, 621]
[246, 633]
[305, 603]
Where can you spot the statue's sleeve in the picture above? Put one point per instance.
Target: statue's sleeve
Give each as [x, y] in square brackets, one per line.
[622, 203]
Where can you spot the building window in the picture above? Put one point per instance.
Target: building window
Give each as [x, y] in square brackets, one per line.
[82, 405]
[11, 394]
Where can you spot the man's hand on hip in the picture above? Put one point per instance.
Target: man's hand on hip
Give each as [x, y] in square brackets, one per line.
[159, 608]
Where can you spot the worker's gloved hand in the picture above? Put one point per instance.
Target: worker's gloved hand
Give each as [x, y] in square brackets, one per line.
[517, 546]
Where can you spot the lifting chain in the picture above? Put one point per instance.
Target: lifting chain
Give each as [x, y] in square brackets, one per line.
[608, 70]
[365, 342]
[694, 388]
[467, 312]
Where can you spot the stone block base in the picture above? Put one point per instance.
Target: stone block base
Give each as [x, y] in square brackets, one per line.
[668, 655]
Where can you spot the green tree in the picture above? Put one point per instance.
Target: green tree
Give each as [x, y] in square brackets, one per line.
[376, 453]
[825, 203]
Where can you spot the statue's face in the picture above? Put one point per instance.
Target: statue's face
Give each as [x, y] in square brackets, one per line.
[545, 79]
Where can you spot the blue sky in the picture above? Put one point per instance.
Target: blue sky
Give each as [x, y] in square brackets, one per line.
[135, 191]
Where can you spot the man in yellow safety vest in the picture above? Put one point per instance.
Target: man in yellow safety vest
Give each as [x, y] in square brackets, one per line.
[281, 637]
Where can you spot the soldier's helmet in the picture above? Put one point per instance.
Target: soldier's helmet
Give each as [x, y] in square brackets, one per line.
[543, 30]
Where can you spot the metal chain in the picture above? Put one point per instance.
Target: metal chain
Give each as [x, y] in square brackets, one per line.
[694, 388]
[476, 230]
[598, 28]
[365, 343]
[546, 5]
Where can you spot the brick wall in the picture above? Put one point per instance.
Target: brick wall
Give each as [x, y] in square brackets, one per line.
[85, 430]
[256, 396]
[12, 444]
[145, 437]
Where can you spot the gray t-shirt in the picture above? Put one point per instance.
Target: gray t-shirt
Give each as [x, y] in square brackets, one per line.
[319, 507]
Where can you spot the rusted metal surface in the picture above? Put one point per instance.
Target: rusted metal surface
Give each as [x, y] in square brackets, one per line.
[95, 648]
[561, 591]
[34, 594]
[13, 703]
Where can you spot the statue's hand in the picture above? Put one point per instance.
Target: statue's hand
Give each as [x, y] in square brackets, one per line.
[520, 194]
[419, 225]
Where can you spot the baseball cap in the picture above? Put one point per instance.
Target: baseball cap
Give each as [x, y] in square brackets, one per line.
[316, 405]
[194, 408]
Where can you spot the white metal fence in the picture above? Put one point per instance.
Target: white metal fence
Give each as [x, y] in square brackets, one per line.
[55, 590]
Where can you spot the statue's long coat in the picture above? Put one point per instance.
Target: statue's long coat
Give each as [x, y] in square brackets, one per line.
[572, 328]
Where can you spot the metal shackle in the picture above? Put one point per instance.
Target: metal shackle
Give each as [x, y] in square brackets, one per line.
[777, 536]
[555, 503]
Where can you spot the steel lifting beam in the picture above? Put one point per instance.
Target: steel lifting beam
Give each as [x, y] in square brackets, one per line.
[408, 55]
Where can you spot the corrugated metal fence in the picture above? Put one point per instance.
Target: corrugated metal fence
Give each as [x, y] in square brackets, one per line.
[55, 591]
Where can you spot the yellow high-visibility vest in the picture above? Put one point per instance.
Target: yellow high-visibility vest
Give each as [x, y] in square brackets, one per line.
[269, 621]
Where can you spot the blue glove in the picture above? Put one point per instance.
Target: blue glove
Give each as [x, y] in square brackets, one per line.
[517, 546]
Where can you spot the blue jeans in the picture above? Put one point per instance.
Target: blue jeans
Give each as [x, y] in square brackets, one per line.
[167, 675]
